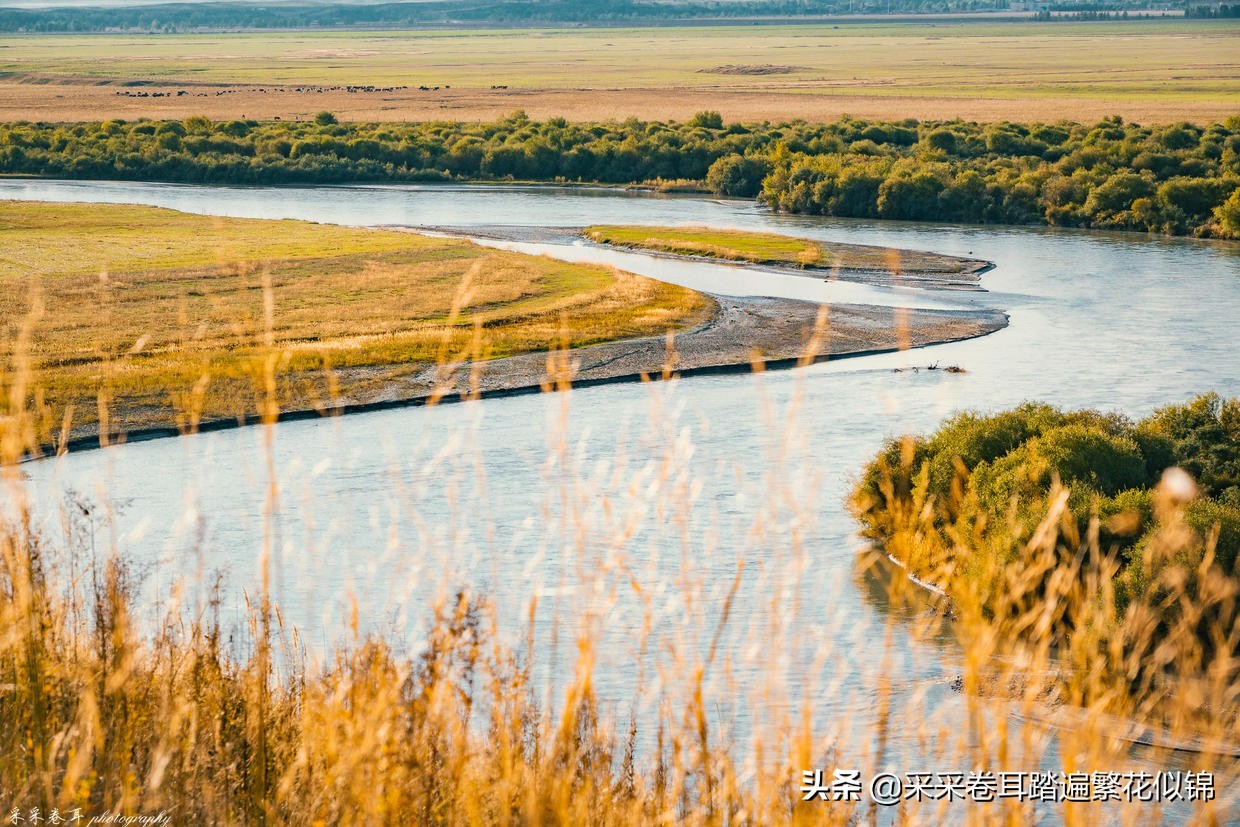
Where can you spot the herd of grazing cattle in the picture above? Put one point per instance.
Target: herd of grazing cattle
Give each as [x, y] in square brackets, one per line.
[300, 90]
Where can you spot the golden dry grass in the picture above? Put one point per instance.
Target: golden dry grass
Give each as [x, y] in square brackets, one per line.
[169, 315]
[99, 715]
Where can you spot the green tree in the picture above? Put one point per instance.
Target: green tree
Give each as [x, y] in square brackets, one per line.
[737, 175]
[943, 140]
[707, 119]
[910, 197]
[1117, 193]
[1228, 215]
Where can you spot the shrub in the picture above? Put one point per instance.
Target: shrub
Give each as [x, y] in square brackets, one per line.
[737, 175]
[1228, 215]
[707, 119]
[1107, 462]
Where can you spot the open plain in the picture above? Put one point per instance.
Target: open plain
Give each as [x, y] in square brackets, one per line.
[1147, 70]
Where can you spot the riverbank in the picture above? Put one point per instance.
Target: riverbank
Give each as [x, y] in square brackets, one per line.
[124, 317]
[862, 263]
[744, 335]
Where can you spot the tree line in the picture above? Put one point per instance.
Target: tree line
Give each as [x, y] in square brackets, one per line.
[1221, 11]
[180, 17]
[1176, 179]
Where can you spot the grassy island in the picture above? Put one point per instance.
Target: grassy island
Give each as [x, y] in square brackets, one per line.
[146, 316]
[779, 250]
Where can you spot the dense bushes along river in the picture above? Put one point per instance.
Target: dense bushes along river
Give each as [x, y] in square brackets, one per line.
[1177, 178]
[967, 507]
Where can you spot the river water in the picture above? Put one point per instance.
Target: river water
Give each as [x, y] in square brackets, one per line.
[639, 508]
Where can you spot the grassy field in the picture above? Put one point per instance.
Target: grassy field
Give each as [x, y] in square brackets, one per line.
[175, 317]
[1145, 70]
[768, 248]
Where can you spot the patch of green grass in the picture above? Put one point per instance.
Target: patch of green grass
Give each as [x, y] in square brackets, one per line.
[68, 240]
[772, 249]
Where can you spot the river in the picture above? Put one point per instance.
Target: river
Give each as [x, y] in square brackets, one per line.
[638, 507]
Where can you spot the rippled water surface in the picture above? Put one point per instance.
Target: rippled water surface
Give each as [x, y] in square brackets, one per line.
[643, 505]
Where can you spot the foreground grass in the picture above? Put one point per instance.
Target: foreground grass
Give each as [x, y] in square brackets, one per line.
[169, 317]
[769, 248]
[98, 719]
[212, 725]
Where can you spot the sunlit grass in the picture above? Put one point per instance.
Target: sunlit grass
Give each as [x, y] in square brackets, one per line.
[104, 711]
[164, 312]
[973, 70]
[893, 58]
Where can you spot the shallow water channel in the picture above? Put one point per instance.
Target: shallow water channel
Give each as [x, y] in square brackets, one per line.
[637, 507]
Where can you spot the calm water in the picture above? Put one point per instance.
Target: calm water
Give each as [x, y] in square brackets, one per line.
[638, 507]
